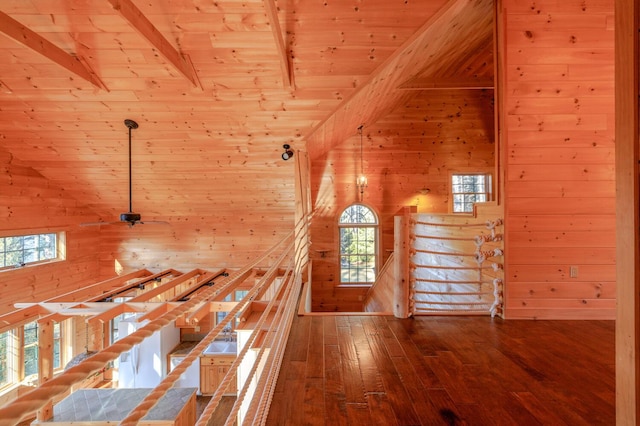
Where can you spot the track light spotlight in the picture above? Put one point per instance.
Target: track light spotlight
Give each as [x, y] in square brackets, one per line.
[288, 153]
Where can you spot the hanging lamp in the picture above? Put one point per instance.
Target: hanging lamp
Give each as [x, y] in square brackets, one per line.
[361, 181]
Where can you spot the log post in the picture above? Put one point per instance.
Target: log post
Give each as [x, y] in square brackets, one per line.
[45, 363]
[402, 272]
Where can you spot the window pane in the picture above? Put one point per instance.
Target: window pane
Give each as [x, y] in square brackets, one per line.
[31, 333]
[30, 255]
[30, 241]
[23, 249]
[357, 213]
[13, 243]
[30, 348]
[56, 345]
[5, 353]
[467, 190]
[358, 244]
[30, 360]
[14, 258]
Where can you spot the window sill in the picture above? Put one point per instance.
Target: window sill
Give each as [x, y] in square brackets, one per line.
[354, 285]
[30, 265]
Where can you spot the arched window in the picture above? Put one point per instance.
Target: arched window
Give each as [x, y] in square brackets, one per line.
[358, 245]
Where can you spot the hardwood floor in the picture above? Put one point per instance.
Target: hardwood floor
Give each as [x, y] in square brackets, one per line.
[379, 370]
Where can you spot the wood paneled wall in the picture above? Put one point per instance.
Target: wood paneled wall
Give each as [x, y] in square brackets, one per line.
[209, 243]
[558, 154]
[414, 147]
[29, 203]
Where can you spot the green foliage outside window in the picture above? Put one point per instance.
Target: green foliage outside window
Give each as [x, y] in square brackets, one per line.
[57, 338]
[469, 189]
[358, 242]
[30, 348]
[23, 249]
[5, 354]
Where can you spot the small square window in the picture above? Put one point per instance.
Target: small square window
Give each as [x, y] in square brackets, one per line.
[468, 189]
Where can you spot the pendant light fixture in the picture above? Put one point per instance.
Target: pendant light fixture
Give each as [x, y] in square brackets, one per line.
[361, 181]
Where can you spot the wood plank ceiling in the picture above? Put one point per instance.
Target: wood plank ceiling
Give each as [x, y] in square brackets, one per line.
[217, 88]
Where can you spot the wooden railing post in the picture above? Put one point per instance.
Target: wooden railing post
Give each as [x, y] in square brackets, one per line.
[402, 250]
[45, 363]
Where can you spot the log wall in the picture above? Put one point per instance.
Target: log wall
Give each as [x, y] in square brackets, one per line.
[558, 154]
[413, 147]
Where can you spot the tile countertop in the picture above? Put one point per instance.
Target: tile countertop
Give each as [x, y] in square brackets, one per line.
[183, 348]
[115, 404]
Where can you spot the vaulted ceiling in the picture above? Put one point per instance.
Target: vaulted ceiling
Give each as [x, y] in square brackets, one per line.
[217, 87]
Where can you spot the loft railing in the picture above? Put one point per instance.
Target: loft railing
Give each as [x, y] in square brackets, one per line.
[379, 298]
[283, 303]
[449, 264]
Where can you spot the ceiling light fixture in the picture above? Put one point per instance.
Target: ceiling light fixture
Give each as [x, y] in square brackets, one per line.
[361, 181]
[288, 153]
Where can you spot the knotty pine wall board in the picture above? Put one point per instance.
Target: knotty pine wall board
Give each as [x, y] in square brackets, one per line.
[32, 204]
[564, 255]
[209, 243]
[413, 147]
[564, 290]
[559, 165]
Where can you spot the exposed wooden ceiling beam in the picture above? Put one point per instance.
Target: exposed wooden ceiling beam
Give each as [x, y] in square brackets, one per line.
[459, 24]
[36, 42]
[274, 23]
[147, 30]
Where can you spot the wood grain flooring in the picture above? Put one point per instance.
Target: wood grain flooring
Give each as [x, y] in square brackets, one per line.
[379, 370]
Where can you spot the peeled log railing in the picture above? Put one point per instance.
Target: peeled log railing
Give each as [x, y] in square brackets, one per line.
[450, 264]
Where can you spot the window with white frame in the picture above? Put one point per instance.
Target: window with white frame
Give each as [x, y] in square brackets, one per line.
[469, 188]
[358, 227]
[21, 250]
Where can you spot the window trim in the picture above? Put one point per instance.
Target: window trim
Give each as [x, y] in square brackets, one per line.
[11, 348]
[483, 172]
[16, 356]
[376, 227]
[61, 245]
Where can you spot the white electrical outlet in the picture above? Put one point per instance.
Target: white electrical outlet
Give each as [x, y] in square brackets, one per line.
[573, 271]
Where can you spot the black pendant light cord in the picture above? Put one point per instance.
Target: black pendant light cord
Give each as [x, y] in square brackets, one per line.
[131, 125]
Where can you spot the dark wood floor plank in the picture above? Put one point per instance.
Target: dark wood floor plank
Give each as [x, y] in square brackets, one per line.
[298, 344]
[447, 410]
[315, 355]
[399, 338]
[313, 407]
[449, 371]
[380, 410]
[359, 414]
[351, 375]
[446, 371]
[335, 400]
[538, 409]
[289, 411]
[393, 384]
[424, 407]
[329, 330]
[368, 369]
